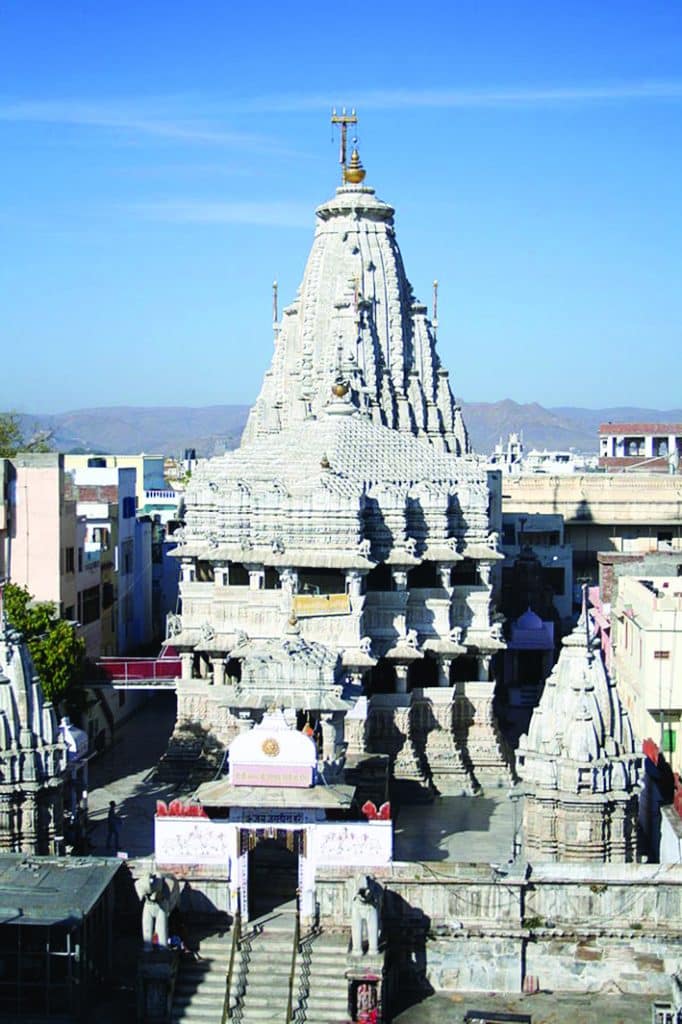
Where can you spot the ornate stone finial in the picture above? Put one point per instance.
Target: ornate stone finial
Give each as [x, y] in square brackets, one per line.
[340, 389]
[355, 172]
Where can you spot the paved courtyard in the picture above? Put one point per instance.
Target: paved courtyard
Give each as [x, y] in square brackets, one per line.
[125, 774]
[459, 828]
[544, 1008]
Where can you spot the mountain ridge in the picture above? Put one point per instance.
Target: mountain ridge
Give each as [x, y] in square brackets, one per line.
[213, 429]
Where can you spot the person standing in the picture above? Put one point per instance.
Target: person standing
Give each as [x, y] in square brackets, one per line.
[113, 827]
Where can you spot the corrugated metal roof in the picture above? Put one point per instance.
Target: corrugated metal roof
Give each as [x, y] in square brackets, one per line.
[51, 890]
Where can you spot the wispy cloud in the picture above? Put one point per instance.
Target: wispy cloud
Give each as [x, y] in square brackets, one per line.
[201, 119]
[385, 99]
[271, 214]
[151, 118]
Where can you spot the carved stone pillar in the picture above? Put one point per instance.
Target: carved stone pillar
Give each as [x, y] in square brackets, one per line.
[484, 668]
[401, 678]
[221, 574]
[218, 670]
[444, 671]
[399, 578]
[445, 571]
[186, 659]
[328, 737]
[6, 823]
[354, 582]
[485, 573]
[188, 572]
[257, 578]
[28, 831]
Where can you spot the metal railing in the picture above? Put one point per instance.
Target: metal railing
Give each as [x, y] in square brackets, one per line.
[292, 972]
[243, 947]
[138, 673]
[300, 1014]
[234, 947]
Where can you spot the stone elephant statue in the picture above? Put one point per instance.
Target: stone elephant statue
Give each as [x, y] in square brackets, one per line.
[365, 917]
[160, 895]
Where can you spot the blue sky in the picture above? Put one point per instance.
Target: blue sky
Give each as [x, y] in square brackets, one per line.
[162, 161]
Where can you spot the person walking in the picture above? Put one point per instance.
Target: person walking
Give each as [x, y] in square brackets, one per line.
[113, 828]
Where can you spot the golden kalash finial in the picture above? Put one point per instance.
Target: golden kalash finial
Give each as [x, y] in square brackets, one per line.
[354, 172]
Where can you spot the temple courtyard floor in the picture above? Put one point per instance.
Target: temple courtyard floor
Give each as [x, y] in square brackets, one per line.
[543, 1008]
[450, 828]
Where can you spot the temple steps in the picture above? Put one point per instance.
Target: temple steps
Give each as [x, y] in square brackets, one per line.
[262, 974]
[323, 988]
[200, 986]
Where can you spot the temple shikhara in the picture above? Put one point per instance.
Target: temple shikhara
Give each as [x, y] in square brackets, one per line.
[339, 565]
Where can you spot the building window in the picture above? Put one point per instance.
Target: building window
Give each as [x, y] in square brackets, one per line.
[69, 561]
[107, 595]
[633, 446]
[660, 446]
[556, 579]
[97, 462]
[128, 509]
[509, 534]
[69, 613]
[90, 605]
[126, 558]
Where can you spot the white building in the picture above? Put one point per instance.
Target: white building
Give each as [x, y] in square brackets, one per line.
[647, 658]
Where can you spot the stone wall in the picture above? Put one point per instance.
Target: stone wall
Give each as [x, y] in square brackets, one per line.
[560, 927]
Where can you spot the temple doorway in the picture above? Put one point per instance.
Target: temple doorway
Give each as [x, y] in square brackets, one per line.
[273, 873]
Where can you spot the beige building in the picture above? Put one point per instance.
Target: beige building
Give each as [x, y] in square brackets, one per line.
[149, 471]
[647, 641]
[622, 512]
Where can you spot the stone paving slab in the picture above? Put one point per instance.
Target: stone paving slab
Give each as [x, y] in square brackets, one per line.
[124, 773]
[543, 1007]
[463, 828]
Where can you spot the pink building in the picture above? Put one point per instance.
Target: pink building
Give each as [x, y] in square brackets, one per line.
[40, 533]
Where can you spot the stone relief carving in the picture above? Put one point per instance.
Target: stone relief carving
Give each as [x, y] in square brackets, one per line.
[173, 625]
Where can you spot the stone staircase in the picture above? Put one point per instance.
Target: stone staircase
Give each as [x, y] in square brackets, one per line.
[261, 979]
[320, 975]
[200, 986]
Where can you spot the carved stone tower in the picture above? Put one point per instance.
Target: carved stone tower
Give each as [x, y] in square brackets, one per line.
[579, 764]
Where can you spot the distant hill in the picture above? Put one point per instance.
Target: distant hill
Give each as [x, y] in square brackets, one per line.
[212, 429]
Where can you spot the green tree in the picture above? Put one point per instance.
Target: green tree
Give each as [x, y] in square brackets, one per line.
[12, 439]
[57, 651]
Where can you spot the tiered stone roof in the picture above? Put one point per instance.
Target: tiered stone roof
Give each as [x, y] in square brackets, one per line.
[355, 319]
[340, 479]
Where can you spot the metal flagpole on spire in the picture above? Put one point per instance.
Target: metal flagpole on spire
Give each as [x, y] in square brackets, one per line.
[344, 120]
[275, 311]
[434, 321]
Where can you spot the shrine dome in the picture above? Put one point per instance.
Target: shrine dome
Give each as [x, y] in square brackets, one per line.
[272, 753]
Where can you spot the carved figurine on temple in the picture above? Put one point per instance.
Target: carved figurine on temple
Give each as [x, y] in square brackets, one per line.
[160, 895]
[365, 918]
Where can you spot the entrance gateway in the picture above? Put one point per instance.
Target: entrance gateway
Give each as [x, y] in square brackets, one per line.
[265, 827]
